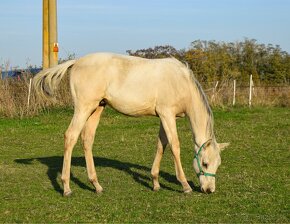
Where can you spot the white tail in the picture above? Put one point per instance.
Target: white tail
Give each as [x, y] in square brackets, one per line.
[46, 82]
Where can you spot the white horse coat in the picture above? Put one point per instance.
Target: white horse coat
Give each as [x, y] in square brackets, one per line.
[134, 86]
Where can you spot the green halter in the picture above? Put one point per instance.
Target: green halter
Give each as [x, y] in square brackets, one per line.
[201, 172]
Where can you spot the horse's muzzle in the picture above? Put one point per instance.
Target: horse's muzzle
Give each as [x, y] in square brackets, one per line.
[207, 190]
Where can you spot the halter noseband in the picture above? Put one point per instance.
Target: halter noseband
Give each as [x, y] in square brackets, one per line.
[201, 172]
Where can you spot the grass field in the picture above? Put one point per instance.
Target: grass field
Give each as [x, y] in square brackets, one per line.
[252, 184]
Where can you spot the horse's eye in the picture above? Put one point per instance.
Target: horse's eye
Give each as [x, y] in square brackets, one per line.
[205, 165]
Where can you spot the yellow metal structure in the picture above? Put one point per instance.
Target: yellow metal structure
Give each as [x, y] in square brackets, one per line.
[45, 35]
[49, 52]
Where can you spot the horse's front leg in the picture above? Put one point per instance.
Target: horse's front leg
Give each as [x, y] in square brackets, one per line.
[88, 136]
[169, 123]
[161, 145]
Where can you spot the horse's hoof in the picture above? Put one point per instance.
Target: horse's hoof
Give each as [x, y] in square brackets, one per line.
[187, 191]
[156, 188]
[67, 194]
[99, 190]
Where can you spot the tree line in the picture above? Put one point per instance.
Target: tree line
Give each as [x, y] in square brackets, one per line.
[213, 61]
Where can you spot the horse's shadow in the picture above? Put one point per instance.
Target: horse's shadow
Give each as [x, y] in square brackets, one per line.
[54, 163]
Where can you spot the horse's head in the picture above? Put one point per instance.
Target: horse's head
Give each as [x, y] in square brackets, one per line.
[206, 162]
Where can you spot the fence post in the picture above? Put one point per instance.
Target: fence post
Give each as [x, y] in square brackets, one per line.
[234, 97]
[29, 93]
[250, 93]
[213, 91]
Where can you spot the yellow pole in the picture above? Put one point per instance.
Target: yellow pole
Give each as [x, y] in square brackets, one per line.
[53, 45]
[45, 35]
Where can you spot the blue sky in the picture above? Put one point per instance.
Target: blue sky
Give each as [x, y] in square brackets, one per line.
[86, 26]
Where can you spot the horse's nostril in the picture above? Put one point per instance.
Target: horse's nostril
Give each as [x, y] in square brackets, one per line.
[207, 190]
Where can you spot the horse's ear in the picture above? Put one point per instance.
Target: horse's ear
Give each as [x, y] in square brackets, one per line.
[222, 146]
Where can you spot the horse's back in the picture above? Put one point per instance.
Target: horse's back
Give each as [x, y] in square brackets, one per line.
[132, 85]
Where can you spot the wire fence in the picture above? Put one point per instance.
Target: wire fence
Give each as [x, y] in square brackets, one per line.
[17, 98]
[233, 93]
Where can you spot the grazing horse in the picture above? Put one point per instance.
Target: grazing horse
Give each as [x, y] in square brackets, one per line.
[135, 86]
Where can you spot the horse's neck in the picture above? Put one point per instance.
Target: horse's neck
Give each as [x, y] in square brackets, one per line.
[200, 119]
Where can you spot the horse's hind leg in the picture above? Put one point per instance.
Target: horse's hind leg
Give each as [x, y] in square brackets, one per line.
[88, 136]
[70, 139]
[161, 144]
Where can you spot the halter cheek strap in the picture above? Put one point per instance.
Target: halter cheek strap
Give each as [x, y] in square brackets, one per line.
[196, 156]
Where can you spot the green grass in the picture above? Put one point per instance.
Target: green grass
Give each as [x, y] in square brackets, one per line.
[252, 182]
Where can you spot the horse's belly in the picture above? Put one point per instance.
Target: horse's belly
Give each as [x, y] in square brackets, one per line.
[133, 93]
[131, 108]
[132, 104]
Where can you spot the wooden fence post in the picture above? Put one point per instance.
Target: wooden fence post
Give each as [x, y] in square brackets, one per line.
[250, 91]
[29, 93]
[234, 97]
[214, 91]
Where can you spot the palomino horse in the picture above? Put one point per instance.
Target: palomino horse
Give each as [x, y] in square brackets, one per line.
[136, 87]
